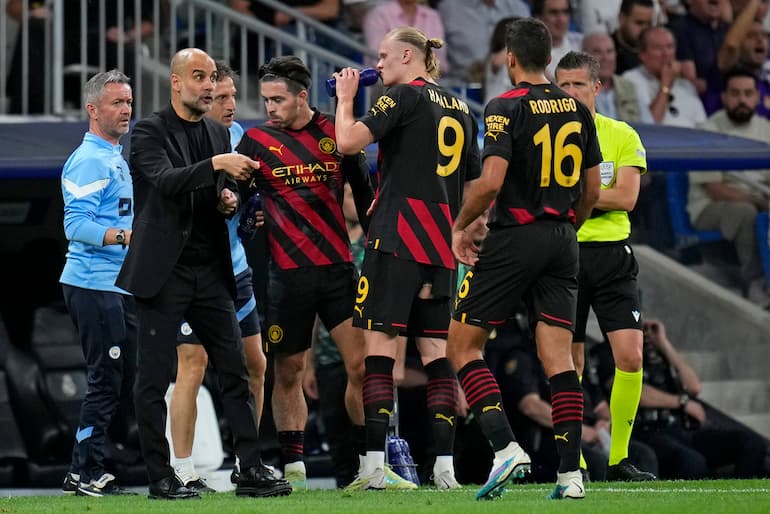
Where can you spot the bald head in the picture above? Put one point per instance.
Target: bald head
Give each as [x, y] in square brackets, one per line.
[193, 77]
[181, 60]
[602, 47]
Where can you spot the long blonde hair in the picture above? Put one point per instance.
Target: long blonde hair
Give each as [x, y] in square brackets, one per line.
[417, 39]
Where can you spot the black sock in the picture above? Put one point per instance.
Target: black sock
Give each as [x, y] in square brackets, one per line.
[292, 445]
[378, 400]
[442, 403]
[486, 403]
[359, 439]
[567, 416]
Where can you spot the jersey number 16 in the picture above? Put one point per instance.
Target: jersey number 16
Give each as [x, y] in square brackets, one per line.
[554, 153]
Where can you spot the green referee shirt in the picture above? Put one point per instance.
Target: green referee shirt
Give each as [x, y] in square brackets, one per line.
[621, 146]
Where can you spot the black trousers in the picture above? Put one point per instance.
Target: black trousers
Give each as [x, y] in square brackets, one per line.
[197, 294]
[106, 326]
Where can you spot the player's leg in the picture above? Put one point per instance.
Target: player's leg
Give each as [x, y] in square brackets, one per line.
[292, 305]
[442, 408]
[385, 292]
[488, 295]
[553, 301]
[290, 415]
[618, 311]
[191, 368]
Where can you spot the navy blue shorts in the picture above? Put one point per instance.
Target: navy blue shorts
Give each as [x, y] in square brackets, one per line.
[245, 311]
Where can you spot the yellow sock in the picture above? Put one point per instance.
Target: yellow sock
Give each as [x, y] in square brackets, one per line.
[583, 464]
[624, 402]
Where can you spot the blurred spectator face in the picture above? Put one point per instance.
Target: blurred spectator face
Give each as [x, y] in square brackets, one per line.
[754, 46]
[602, 47]
[705, 10]
[556, 18]
[578, 84]
[223, 109]
[660, 50]
[740, 99]
[633, 24]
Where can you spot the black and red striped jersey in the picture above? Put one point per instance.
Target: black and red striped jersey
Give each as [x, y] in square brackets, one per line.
[300, 178]
[428, 150]
[548, 139]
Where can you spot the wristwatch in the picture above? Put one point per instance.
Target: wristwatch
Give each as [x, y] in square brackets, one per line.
[120, 238]
[683, 399]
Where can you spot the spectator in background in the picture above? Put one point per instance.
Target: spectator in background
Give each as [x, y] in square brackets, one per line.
[688, 442]
[496, 78]
[468, 25]
[35, 73]
[699, 36]
[635, 16]
[718, 203]
[660, 87]
[405, 13]
[556, 15]
[746, 46]
[602, 15]
[128, 33]
[617, 96]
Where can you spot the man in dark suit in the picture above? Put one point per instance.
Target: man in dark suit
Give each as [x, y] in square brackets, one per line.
[179, 267]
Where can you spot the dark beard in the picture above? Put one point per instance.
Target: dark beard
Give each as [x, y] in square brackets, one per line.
[740, 115]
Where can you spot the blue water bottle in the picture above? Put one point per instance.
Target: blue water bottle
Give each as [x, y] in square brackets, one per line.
[366, 77]
[400, 459]
[247, 228]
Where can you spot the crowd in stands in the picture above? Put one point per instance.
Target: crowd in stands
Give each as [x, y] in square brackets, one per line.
[684, 63]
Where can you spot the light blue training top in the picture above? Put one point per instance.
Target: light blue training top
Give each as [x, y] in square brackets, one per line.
[236, 247]
[98, 194]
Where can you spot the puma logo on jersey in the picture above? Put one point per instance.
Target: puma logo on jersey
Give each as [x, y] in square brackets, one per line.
[636, 315]
[448, 419]
[383, 410]
[563, 437]
[359, 309]
[488, 408]
[276, 149]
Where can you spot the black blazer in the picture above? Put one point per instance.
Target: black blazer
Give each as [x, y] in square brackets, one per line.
[164, 180]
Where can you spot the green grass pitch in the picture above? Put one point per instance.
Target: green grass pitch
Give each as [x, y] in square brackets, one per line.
[699, 497]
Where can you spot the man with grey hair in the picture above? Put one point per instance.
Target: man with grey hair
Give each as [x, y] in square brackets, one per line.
[98, 214]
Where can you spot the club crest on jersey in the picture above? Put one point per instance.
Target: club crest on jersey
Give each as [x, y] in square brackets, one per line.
[327, 145]
[275, 334]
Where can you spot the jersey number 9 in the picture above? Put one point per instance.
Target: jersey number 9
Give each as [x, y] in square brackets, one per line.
[453, 151]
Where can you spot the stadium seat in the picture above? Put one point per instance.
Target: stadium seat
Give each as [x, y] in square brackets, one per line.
[677, 185]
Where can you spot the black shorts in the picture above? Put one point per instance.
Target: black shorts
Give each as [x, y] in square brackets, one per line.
[607, 282]
[537, 262]
[245, 311]
[387, 296]
[296, 296]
